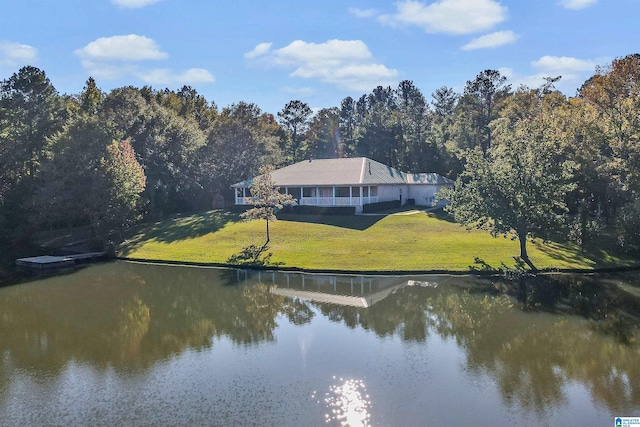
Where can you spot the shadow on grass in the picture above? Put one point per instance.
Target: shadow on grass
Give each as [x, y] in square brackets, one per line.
[252, 255]
[564, 252]
[354, 222]
[177, 228]
[480, 265]
[443, 216]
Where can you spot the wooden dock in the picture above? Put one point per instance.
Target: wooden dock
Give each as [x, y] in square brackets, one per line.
[47, 262]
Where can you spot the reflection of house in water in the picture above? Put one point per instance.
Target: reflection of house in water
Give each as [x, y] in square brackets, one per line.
[355, 291]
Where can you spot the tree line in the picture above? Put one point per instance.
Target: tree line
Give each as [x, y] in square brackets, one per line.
[564, 164]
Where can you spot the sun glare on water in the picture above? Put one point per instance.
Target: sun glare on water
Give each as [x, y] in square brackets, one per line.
[347, 403]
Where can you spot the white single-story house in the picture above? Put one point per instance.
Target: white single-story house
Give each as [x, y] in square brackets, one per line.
[350, 182]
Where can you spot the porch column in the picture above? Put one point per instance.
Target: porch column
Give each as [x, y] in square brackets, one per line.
[350, 195]
[334, 196]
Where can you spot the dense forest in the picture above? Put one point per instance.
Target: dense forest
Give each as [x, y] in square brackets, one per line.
[568, 164]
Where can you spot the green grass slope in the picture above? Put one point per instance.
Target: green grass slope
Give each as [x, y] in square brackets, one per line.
[419, 241]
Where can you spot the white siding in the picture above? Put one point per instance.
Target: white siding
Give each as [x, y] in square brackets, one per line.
[425, 195]
[387, 193]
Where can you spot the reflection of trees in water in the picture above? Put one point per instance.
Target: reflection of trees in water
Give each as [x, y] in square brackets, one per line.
[134, 315]
[533, 368]
[72, 318]
[130, 316]
[532, 357]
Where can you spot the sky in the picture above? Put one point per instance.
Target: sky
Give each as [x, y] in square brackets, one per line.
[319, 52]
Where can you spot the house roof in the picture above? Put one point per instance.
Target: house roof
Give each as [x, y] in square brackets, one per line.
[345, 171]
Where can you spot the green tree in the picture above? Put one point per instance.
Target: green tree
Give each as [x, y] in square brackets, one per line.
[323, 135]
[241, 139]
[596, 195]
[415, 151]
[380, 128]
[295, 117]
[348, 126]
[188, 104]
[518, 187]
[31, 112]
[165, 144]
[442, 130]
[628, 227]
[266, 198]
[61, 197]
[478, 106]
[91, 98]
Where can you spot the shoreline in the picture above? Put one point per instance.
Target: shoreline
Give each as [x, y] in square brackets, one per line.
[472, 272]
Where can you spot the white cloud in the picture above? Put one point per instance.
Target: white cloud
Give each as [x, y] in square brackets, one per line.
[333, 52]
[346, 63]
[133, 4]
[574, 72]
[298, 91]
[577, 4]
[448, 16]
[496, 39]
[13, 54]
[563, 63]
[105, 70]
[130, 47]
[516, 80]
[363, 13]
[259, 50]
[163, 76]
[117, 57]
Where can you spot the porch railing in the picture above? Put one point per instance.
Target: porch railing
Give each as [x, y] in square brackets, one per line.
[326, 201]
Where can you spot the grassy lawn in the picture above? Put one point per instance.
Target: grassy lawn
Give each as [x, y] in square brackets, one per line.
[421, 241]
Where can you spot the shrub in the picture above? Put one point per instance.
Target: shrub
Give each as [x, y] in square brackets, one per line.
[319, 210]
[380, 206]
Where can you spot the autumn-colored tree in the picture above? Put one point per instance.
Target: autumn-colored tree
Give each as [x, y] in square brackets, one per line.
[122, 178]
[615, 92]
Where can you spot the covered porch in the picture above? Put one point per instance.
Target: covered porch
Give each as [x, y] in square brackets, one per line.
[324, 195]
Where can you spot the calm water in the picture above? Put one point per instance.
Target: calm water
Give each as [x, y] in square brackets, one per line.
[125, 344]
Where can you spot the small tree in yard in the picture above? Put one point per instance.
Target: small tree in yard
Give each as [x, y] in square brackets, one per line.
[266, 198]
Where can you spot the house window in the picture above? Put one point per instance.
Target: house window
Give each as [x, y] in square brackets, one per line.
[355, 191]
[374, 191]
[308, 192]
[342, 191]
[365, 191]
[239, 193]
[326, 191]
[294, 192]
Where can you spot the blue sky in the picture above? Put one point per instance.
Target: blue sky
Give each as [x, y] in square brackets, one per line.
[319, 52]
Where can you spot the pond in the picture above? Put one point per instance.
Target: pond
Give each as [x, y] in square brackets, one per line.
[148, 345]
